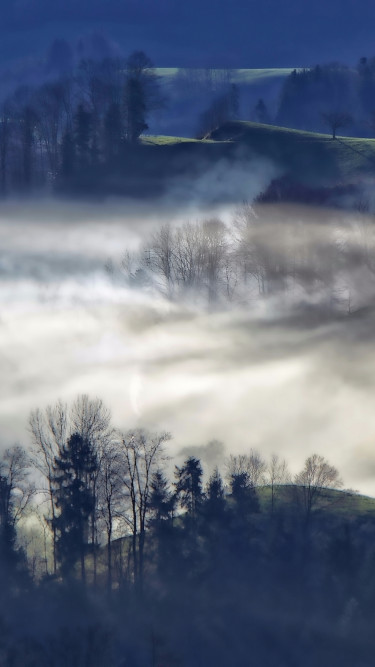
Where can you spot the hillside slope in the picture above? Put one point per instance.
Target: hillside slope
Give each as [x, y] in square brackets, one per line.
[306, 156]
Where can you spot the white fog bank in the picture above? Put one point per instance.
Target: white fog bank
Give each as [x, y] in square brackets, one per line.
[249, 377]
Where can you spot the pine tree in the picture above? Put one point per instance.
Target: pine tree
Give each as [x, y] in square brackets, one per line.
[161, 499]
[189, 485]
[215, 501]
[244, 493]
[74, 469]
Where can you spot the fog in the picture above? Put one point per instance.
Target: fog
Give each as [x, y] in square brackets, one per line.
[281, 373]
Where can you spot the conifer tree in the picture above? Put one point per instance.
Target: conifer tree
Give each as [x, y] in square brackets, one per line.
[74, 468]
[189, 485]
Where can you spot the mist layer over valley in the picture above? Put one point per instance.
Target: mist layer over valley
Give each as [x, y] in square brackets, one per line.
[271, 347]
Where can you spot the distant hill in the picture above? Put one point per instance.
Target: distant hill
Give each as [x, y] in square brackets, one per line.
[347, 504]
[306, 156]
[312, 168]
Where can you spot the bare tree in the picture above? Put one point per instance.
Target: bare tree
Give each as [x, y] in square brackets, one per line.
[161, 257]
[53, 118]
[313, 482]
[215, 246]
[50, 431]
[192, 256]
[336, 120]
[142, 453]
[252, 249]
[111, 497]
[252, 464]
[16, 488]
[189, 256]
[277, 474]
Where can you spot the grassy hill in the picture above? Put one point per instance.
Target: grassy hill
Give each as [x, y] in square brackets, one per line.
[306, 156]
[246, 76]
[312, 168]
[309, 158]
[345, 503]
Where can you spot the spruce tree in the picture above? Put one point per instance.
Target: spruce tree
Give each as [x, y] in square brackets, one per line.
[189, 485]
[74, 469]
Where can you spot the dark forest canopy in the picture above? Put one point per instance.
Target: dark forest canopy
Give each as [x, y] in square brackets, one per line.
[145, 567]
[309, 95]
[66, 128]
[82, 131]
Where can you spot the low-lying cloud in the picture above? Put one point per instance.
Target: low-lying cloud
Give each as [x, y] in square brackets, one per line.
[264, 373]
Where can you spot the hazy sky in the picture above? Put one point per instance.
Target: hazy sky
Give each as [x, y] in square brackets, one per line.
[247, 33]
[250, 377]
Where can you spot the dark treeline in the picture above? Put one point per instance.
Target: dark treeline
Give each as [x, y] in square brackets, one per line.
[76, 126]
[330, 97]
[136, 568]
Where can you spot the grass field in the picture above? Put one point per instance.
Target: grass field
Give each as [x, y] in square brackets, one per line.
[244, 76]
[165, 140]
[308, 157]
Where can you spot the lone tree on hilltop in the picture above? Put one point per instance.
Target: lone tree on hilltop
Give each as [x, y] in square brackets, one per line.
[314, 482]
[336, 120]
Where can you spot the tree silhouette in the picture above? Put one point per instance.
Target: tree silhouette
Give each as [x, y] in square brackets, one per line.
[28, 124]
[161, 498]
[189, 486]
[50, 430]
[74, 467]
[261, 112]
[110, 497]
[83, 122]
[16, 492]
[313, 483]
[214, 504]
[68, 156]
[142, 452]
[244, 493]
[336, 120]
[113, 132]
[135, 110]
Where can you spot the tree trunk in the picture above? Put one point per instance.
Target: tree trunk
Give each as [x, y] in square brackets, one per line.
[109, 561]
[141, 542]
[135, 564]
[93, 543]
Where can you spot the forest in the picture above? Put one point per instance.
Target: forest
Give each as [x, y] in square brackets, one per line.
[137, 565]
